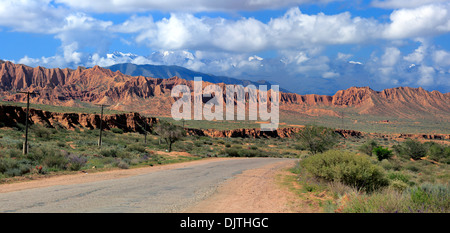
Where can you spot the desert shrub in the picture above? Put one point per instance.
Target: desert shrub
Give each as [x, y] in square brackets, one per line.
[56, 160]
[117, 130]
[109, 152]
[438, 152]
[368, 147]
[386, 201]
[430, 198]
[11, 167]
[317, 139]
[400, 176]
[136, 147]
[123, 164]
[412, 148]
[39, 153]
[382, 153]
[41, 132]
[14, 153]
[300, 147]
[198, 143]
[412, 167]
[76, 162]
[398, 185]
[346, 167]
[386, 164]
[233, 152]
[61, 144]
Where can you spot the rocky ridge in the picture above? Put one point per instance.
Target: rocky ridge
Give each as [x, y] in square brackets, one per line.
[148, 95]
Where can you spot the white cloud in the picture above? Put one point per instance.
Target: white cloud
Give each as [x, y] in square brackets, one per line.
[344, 56]
[329, 75]
[228, 46]
[426, 20]
[418, 55]
[296, 28]
[441, 57]
[355, 62]
[126, 6]
[390, 57]
[426, 76]
[37, 16]
[397, 4]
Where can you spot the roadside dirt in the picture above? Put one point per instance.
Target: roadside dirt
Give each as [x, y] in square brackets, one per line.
[256, 191]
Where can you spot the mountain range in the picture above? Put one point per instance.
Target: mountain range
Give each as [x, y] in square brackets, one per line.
[149, 95]
[165, 72]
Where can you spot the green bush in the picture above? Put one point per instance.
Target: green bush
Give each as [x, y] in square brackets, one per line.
[439, 153]
[39, 153]
[109, 152]
[346, 167]
[317, 139]
[56, 161]
[368, 147]
[399, 185]
[233, 152]
[382, 153]
[412, 148]
[12, 167]
[430, 198]
[117, 130]
[41, 132]
[136, 147]
[400, 176]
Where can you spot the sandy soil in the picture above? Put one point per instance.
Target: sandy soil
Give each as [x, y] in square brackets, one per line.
[256, 191]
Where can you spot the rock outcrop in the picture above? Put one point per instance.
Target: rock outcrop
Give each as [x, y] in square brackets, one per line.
[128, 122]
[134, 122]
[148, 95]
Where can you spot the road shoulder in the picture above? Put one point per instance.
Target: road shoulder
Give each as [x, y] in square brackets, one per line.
[255, 191]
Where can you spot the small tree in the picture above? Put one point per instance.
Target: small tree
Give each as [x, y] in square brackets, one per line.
[317, 139]
[382, 153]
[368, 147]
[170, 133]
[411, 148]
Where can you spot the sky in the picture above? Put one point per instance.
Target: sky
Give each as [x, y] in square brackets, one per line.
[305, 46]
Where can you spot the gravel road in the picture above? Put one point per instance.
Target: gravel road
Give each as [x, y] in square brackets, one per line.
[160, 191]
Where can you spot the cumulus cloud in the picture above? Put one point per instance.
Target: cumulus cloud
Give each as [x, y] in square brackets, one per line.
[418, 55]
[441, 58]
[390, 57]
[37, 16]
[219, 45]
[397, 4]
[121, 6]
[422, 21]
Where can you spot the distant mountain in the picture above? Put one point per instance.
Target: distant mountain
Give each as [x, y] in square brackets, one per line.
[165, 72]
[149, 95]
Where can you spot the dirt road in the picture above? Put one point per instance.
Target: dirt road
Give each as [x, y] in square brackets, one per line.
[186, 187]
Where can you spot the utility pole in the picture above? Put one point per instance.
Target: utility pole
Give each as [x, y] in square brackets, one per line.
[25, 144]
[101, 125]
[145, 132]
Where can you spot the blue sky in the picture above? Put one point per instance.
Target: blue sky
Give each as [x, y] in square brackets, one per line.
[305, 46]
